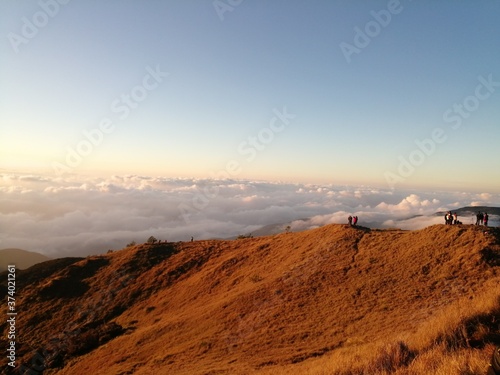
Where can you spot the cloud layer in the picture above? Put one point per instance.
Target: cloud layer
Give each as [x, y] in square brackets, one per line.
[64, 216]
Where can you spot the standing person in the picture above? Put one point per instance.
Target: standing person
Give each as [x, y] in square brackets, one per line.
[455, 218]
[355, 220]
[485, 219]
[481, 218]
[449, 218]
[349, 219]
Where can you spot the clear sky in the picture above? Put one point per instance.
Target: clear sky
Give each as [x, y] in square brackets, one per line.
[386, 93]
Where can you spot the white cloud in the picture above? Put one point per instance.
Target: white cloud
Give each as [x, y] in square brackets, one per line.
[74, 215]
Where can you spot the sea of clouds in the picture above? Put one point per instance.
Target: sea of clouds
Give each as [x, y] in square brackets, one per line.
[74, 215]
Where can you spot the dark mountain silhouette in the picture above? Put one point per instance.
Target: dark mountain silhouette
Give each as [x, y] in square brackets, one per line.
[475, 209]
[472, 210]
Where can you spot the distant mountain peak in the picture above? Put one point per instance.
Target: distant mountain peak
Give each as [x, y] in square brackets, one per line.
[22, 259]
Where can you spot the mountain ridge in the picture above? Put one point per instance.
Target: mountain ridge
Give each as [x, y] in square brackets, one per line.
[254, 305]
[276, 228]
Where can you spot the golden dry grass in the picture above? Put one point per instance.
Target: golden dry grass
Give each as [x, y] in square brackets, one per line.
[334, 300]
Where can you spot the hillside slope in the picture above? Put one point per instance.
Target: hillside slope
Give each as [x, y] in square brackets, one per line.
[265, 304]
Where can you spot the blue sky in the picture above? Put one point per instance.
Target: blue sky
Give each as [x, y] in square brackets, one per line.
[224, 71]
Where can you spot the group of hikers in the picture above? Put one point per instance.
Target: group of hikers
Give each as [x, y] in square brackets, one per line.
[482, 219]
[451, 218]
[352, 220]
